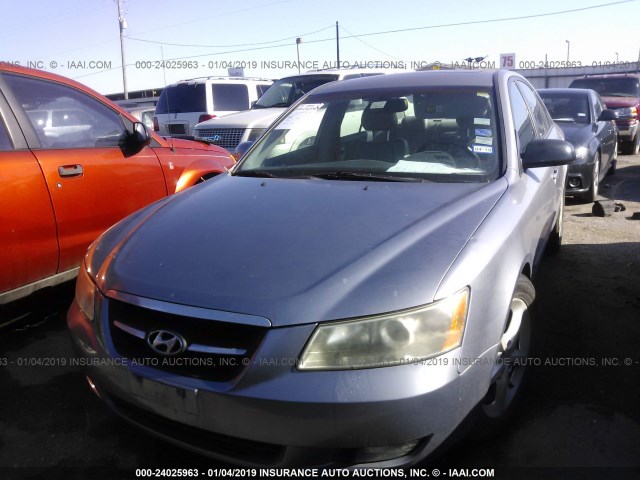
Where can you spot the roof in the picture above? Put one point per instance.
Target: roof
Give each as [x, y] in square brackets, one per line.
[461, 78]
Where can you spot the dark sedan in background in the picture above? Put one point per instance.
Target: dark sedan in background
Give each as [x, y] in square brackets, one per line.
[591, 129]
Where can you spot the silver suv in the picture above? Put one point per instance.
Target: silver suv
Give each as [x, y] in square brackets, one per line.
[185, 103]
[230, 131]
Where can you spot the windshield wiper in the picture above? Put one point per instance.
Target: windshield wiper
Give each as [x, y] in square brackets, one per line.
[364, 176]
[254, 173]
[280, 105]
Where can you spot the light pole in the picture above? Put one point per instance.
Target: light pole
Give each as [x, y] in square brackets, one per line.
[568, 45]
[298, 42]
[616, 57]
[123, 26]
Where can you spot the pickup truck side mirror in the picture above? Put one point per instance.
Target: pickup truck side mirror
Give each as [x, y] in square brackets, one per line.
[135, 139]
[548, 153]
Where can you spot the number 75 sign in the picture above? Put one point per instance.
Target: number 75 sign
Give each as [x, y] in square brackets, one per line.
[508, 60]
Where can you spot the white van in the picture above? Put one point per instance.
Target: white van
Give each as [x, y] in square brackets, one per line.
[231, 130]
[188, 102]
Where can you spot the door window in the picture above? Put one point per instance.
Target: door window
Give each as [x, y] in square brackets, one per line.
[63, 117]
[521, 118]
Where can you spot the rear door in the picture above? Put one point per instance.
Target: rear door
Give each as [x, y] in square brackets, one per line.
[91, 183]
[28, 244]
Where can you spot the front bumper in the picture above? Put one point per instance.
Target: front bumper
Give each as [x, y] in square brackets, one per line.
[276, 415]
[579, 178]
[627, 132]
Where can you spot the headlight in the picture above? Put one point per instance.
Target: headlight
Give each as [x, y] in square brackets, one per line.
[386, 340]
[581, 153]
[629, 113]
[85, 293]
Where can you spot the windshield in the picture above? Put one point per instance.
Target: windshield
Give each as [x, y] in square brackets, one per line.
[610, 87]
[287, 90]
[439, 134]
[567, 108]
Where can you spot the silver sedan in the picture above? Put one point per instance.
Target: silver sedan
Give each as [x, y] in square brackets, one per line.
[356, 287]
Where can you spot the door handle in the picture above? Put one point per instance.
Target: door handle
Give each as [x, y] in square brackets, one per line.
[70, 170]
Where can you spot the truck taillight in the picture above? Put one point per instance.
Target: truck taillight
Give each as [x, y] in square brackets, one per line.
[204, 117]
[156, 124]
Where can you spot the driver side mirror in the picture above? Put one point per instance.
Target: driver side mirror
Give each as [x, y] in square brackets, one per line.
[607, 115]
[548, 153]
[136, 139]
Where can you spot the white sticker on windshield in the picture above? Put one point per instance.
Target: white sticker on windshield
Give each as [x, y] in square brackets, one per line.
[484, 140]
[482, 121]
[482, 149]
[303, 113]
[379, 104]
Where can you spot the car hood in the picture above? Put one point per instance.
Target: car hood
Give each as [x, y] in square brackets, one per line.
[255, 118]
[578, 134]
[185, 144]
[620, 102]
[297, 251]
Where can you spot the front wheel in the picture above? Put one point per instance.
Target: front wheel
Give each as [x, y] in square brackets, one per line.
[511, 369]
[591, 195]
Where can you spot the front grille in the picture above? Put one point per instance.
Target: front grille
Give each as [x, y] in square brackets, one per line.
[212, 350]
[202, 440]
[228, 138]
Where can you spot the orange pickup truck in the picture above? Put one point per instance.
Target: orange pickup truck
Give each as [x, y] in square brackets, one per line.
[72, 163]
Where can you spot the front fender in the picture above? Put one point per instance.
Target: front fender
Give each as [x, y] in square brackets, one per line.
[199, 170]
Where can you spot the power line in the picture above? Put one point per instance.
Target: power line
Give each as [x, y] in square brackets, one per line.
[228, 46]
[473, 22]
[367, 44]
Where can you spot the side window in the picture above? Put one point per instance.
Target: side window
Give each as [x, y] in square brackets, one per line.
[521, 117]
[537, 108]
[64, 117]
[5, 141]
[261, 88]
[599, 107]
[352, 118]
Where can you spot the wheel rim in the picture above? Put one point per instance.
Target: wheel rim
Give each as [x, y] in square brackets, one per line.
[560, 218]
[596, 177]
[512, 363]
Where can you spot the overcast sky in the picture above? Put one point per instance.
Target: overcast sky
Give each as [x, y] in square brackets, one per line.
[80, 38]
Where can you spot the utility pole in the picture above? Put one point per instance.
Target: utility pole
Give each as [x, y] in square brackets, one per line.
[568, 45]
[298, 42]
[337, 45]
[123, 26]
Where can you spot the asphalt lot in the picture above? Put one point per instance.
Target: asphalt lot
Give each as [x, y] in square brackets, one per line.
[579, 419]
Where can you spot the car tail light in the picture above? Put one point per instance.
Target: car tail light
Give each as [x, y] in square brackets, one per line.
[156, 124]
[205, 117]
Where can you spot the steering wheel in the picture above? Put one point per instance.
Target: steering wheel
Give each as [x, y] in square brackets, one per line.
[454, 147]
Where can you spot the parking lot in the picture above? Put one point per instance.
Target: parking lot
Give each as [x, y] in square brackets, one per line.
[579, 419]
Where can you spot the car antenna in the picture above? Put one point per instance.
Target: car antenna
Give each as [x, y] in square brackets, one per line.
[166, 91]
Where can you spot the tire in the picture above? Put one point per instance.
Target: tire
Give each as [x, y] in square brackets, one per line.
[631, 147]
[555, 239]
[511, 369]
[591, 195]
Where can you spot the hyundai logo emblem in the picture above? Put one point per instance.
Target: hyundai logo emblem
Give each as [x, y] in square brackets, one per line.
[166, 343]
[216, 138]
